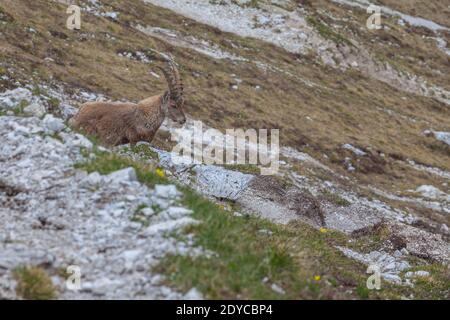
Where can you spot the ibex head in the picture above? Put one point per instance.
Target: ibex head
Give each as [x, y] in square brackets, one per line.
[175, 95]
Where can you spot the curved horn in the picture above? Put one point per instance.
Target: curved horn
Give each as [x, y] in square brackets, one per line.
[174, 82]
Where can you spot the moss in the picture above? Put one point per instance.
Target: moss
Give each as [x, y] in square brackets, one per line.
[33, 283]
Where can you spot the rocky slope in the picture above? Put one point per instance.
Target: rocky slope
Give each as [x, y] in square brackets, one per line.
[366, 167]
[56, 216]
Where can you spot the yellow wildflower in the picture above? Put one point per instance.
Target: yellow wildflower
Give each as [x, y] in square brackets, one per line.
[323, 230]
[160, 173]
[317, 278]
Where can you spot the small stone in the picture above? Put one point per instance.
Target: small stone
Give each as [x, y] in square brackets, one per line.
[130, 198]
[391, 277]
[125, 175]
[276, 288]
[390, 266]
[35, 109]
[94, 178]
[403, 265]
[265, 231]
[166, 191]
[76, 140]
[148, 212]
[53, 124]
[193, 294]
[117, 213]
[421, 273]
[404, 251]
[178, 212]
[397, 253]
[130, 256]
[417, 274]
[132, 226]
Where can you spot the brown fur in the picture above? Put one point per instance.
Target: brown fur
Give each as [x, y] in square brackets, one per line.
[117, 123]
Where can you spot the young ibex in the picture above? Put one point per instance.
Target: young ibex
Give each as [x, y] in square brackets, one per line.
[118, 123]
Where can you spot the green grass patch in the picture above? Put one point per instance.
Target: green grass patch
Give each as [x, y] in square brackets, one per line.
[289, 256]
[106, 163]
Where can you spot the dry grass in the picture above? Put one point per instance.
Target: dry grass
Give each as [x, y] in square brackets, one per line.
[33, 283]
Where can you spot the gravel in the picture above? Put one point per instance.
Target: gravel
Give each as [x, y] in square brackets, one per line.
[54, 215]
[390, 266]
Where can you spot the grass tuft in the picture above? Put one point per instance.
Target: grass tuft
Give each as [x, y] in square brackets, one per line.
[33, 283]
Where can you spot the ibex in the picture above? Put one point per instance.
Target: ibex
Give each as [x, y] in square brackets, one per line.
[116, 123]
